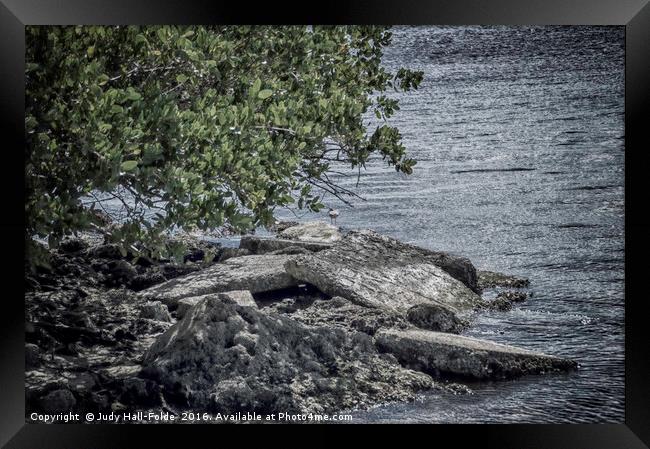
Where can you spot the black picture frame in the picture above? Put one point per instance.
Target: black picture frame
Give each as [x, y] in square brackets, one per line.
[633, 14]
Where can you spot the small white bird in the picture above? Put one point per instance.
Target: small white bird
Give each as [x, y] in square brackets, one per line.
[333, 213]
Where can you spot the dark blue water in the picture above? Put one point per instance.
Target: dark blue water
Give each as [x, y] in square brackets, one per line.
[548, 99]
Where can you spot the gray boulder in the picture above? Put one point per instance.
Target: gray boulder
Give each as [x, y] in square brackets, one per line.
[223, 357]
[313, 231]
[257, 245]
[253, 273]
[376, 271]
[439, 353]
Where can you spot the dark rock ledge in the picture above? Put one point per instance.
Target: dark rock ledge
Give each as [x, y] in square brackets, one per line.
[314, 321]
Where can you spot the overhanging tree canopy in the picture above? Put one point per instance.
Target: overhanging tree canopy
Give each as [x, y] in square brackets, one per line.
[206, 125]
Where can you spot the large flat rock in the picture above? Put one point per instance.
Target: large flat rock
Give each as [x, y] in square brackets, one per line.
[313, 231]
[373, 270]
[258, 245]
[257, 273]
[447, 354]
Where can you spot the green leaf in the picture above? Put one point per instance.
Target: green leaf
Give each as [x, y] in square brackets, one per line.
[133, 95]
[266, 93]
[181, 78]
[129, 165]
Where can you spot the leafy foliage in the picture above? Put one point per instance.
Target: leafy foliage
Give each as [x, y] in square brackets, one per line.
[207, 126]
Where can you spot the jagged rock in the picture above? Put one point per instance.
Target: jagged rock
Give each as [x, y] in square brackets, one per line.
[512, 296]
[253, 273]
[380, 272]
[491, 279]
[155, 310]
[226, 358]
[314, 231]
[241, 297]
[439, 353]
[257, 245]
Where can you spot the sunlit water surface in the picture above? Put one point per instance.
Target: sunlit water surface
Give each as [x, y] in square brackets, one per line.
[547, 99]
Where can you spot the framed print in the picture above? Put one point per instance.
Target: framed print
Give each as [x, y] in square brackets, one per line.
[427, 213]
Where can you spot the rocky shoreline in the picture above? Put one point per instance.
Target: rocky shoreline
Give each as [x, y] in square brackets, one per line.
[312, 321]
